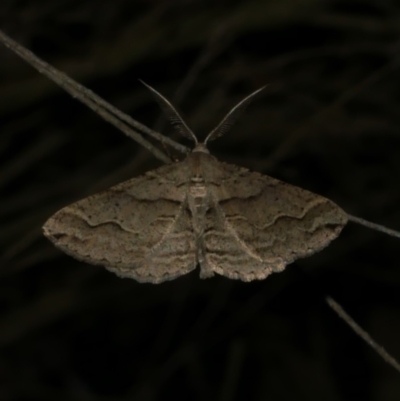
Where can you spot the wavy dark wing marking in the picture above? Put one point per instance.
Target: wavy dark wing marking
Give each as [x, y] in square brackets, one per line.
[274, 225]
[139, 228]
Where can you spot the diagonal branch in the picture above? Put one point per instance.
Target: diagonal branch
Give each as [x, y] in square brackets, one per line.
[374, 226]
[337, 308]
[93, 101]
[362, 333]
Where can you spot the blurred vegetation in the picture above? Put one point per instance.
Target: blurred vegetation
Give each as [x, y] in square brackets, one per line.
[328, 122]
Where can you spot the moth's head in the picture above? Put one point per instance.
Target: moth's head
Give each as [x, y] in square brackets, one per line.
[200, 147]
[222, 128]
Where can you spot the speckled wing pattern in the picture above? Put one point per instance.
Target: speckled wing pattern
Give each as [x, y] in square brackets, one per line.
[139, 229]
[230, 221]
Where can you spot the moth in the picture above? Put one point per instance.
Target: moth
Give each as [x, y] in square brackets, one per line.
[197, 212]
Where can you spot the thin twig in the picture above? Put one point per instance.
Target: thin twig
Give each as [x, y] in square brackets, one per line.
[362, 333]
[93, 101]
[337, 308]
[374, 226]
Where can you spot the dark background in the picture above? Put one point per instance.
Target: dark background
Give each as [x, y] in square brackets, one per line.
[329, 122]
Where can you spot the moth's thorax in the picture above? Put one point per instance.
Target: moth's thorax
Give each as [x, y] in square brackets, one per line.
[197, 184]
[198, 170]
[200, 167]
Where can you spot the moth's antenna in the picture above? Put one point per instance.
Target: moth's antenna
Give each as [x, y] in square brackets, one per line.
[172, 115]
[229, 120]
